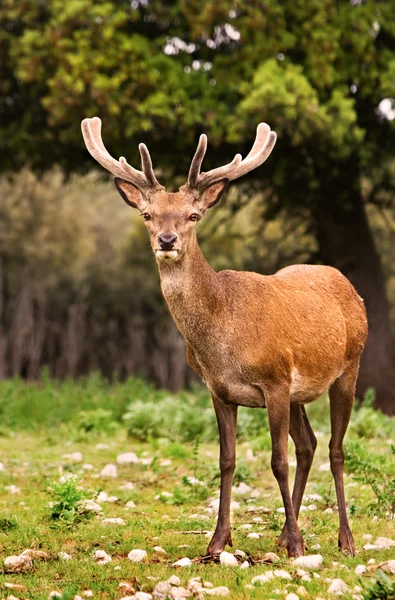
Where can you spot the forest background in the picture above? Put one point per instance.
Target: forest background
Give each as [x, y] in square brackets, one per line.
[79, 289]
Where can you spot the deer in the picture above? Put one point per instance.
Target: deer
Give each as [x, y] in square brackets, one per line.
[261, 341]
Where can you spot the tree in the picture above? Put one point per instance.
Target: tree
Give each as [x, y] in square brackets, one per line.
[162, 72]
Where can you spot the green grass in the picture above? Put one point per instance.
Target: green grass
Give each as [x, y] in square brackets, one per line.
[42, 423]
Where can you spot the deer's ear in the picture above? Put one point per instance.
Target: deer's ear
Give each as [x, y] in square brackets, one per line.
[213, 194]
[130, 193]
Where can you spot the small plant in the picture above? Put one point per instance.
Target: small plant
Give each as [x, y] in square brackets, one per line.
[366, 422]
[383, 588]
[91, 423]
[375, 470]
[66, 505]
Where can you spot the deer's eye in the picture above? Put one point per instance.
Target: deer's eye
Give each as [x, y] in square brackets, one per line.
[146, 216]
[194, 217]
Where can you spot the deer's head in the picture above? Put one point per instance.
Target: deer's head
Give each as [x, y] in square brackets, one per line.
[171, 217]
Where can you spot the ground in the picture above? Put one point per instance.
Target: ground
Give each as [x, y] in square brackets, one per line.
[34, 461]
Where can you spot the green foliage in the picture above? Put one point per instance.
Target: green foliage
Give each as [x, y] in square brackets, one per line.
[383, 588]
[377, 471]
[94, 423]
[368, 423]
[65, 505]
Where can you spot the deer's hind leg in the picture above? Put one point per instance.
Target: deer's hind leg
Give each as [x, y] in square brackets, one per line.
[278, 409]
[341, 395]
[305, 444]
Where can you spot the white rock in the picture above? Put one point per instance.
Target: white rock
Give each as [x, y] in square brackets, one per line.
[214, 504]
[306, 578]
[227, 559]
[55, 594]
[255, 494]
[179, 592]
[2, 468]
[314, 561]
[371, 561]
[316, 547]
[88, 467]
[245, 527]
[166, 462]
[18, 564]
[90, 506]
[217, 591]
[282, 574]
[109, 471]
[174, 580]
[127, 486]
[270, 557]
[159, 550]
[367, 536]
[337, 586]
[388, 566]
[242, 489]
[370, 547]
[101, 446]
[142, 596]
[35, 554]
[360, 569]
[263, 578]
[328, 511]
[383, 542]
[130, 504]
[163, 495]
[208, 584]
[75, 457]
[259, 509]
[87, 594]
[291, 596]
[137, 555]
[101, 557]
[127, 458]
[161, 590]
[257, 520]
[183, 562]
[64, 556]
[245, 565]
[281, 509]
[113, 521]
[253, 535]
[12, 489]
[240, 553]
[314, 498]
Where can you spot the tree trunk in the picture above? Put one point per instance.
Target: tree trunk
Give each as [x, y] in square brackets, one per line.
[345, 241]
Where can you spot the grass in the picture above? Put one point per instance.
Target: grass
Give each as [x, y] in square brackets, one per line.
[46, 513]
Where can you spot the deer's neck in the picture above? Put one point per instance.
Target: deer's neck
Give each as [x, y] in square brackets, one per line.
[192, 292]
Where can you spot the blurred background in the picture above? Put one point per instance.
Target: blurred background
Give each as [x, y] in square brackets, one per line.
[79, 290]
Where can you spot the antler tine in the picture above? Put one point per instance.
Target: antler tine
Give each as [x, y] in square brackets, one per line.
[253, 161]
[206, 179]
[91, 131]
[146, 163]
[261, 149]
[194, 169]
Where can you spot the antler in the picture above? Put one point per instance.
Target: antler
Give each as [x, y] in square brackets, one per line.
[144, 180]
[260, 151]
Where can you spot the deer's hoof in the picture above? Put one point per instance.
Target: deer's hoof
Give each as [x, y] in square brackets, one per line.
[346, 543]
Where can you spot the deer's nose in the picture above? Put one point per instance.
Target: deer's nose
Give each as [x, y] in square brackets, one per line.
[167, 241]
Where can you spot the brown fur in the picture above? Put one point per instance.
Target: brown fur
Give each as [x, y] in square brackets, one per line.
[275, 341]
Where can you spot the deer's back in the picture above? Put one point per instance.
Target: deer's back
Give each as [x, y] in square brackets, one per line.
[303, 326]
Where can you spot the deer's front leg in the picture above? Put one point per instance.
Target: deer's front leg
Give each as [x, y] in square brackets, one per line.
[227, 425]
